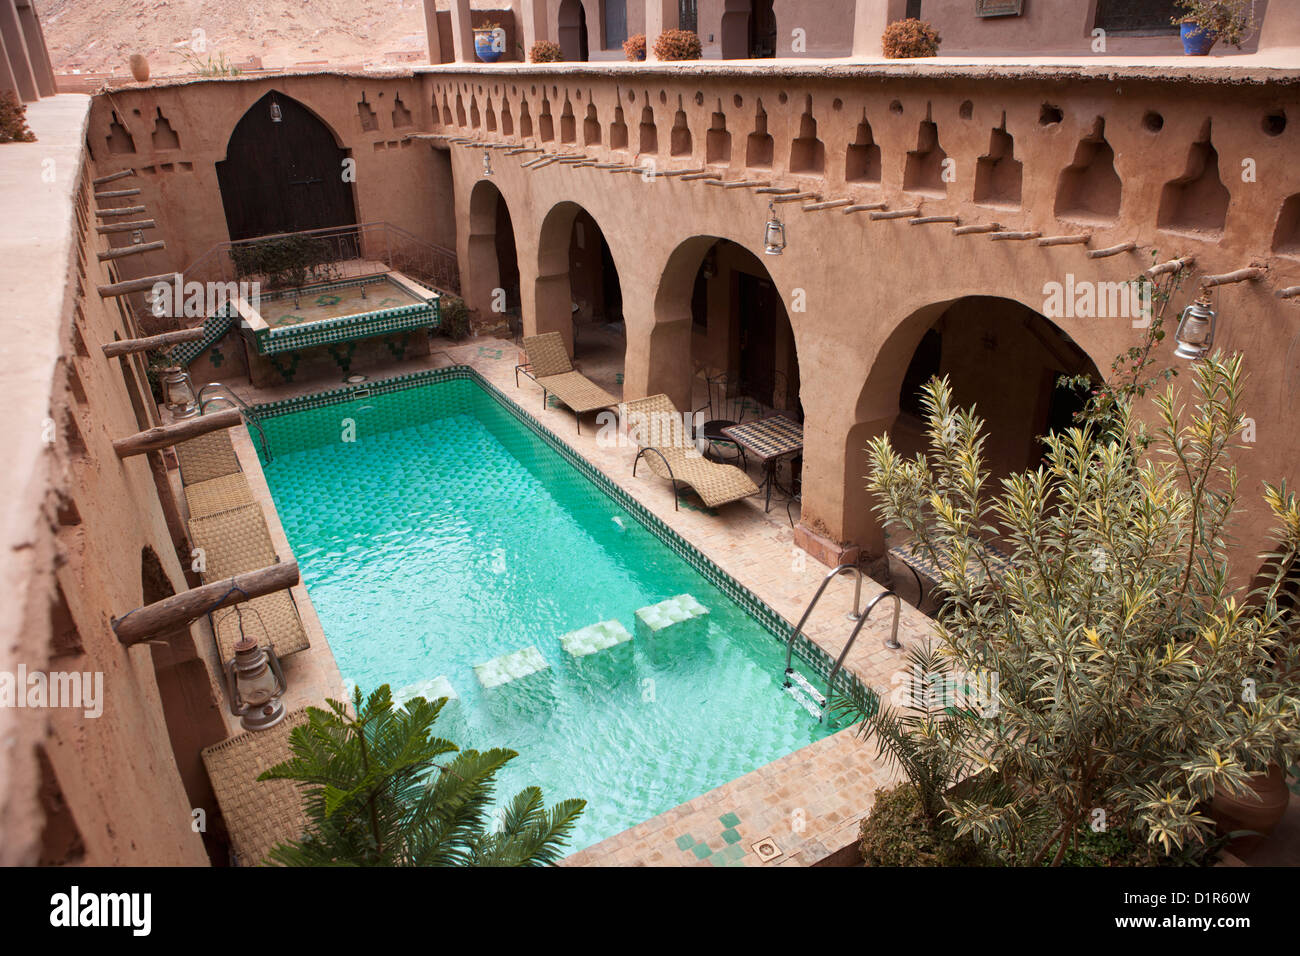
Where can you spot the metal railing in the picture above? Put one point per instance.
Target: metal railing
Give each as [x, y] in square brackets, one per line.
[227, 395]
[892, 643]
[338, 252]
[798, 628]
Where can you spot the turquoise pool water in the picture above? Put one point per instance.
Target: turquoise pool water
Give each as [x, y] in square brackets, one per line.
[450, 533]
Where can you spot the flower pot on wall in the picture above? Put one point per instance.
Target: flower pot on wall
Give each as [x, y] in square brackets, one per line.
[1260, 815]
[1197, 42]
[139, 67]
[487, 46]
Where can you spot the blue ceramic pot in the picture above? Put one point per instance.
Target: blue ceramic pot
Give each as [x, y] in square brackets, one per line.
[1196, 42]
[483, 46]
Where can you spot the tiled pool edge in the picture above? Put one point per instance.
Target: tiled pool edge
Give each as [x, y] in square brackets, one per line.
[808, 651]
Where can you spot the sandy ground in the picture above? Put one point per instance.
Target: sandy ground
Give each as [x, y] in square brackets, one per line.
[93, 36]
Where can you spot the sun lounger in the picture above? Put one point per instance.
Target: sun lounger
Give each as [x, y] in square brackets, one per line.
[549, 366]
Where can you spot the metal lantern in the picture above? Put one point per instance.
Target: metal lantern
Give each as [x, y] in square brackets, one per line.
[1195, 332]
[276, 114]
[487, 163]
[255, 683]
[178, 392]
[774, 234]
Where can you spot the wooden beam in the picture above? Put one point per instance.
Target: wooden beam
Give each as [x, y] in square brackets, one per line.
[1173, 265]
[112, 177]
[142, 284]
[1290, 292]
[124, 211]
[865, 207]
[829, 204]
[127, 346]
[165, 436]
[707, 177]
[795, 197]
[977, 229]
[179, 610]
[1080, 240]
[132, 250]
[118, 193]
[1241, 275]
[126, 226]
[1112, 251]
[897, 214]
[926, 220]
[1014, 236]
[777, 190]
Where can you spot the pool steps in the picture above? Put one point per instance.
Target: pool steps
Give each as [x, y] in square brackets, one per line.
[510, 667]
[807, 696]
[678, 616]
[594, 638]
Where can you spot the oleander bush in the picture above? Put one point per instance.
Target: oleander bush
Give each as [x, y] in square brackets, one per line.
[910, 38]
[678, 45]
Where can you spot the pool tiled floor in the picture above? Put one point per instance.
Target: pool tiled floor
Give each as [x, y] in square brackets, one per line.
[809, 803]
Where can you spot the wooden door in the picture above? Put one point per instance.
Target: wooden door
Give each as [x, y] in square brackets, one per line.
[283, 175]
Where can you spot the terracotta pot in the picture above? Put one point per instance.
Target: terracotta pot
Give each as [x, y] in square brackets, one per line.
[139, 67]
[1262, 815]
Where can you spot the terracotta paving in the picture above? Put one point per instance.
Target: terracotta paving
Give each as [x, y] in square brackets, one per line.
[809, 802]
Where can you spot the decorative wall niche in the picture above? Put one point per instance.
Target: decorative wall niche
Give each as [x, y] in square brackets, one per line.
[568, 123]
[807, 152]
[164, 137]
[546, 122]
[591, 127]
[507, 120]
[369, 118]
[717, 142]
[1090, 189]
[924, 170]
[862, 160]
[119, 140]
[1196, 201]
[680, 142]
[618, 130]
[998, 174]
[525, 121]
[647, 134]
[1286, 235]
[760, 147]
[401, 115]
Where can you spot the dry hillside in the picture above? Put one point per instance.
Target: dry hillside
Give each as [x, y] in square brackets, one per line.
[99, 35]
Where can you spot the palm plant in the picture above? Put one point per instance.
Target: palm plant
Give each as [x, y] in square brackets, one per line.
[1134, 678]
[376, 794]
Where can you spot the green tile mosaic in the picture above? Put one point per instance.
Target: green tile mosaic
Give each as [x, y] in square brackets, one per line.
[729, 820]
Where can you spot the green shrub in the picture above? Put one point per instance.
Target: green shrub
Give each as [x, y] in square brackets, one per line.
[1232, 21]
[678, 45]
[898, 833]
[454, 319]
[910, 38]
[13, 119]
[544, 51]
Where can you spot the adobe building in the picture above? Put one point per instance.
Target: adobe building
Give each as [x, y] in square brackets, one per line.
[925, 207]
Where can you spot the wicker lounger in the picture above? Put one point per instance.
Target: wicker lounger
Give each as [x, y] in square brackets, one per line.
[549, 366]
[237, 541]
[258, 814]
[656, 425]
[206, 457]
[218, 494]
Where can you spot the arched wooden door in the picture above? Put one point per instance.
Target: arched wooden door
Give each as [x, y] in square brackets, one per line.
[283, 172]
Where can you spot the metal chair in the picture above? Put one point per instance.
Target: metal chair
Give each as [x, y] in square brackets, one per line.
[727, 406]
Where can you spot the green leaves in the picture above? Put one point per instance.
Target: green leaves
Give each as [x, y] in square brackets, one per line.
[375, 794]
[1134, 677]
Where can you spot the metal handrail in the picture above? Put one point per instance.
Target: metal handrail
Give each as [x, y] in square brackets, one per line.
[234, 400]
[892, 643]
[798, 628]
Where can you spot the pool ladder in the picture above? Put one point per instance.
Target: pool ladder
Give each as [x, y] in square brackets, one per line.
[796, 685]
[227, 395]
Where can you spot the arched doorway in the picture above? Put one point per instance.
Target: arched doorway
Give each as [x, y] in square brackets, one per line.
[748, 29]
[283, 172]
[719, 315]
[572, 28]
[578, 292]
[493, 259]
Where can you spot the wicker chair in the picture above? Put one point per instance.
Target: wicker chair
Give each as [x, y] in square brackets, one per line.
[218, 494]
[549, 366]
[656, 426]
[206, 457]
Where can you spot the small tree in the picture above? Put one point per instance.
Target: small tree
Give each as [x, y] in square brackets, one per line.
[1134, 679]
[376, 795]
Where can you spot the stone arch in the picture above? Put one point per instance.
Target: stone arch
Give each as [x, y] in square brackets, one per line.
[553, 295]
[571, 30]
[492, 256]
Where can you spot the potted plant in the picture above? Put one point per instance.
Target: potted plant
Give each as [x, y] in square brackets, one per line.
[910, 38]
[678, 45]
[634, 47]
[1204, 22]
[544, 51]
[489, 41]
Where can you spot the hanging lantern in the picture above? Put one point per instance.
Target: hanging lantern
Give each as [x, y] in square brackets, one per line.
[1195, 333]
[178, 392]
[774, 234]
[255, 684]
[276, 114]
[487, 163]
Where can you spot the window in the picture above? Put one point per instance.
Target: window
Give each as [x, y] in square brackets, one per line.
[914, 9]
[615, 23]
[688, 16]
[1137, 16]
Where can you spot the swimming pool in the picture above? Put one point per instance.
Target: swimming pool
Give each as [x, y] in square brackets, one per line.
[454, 530]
